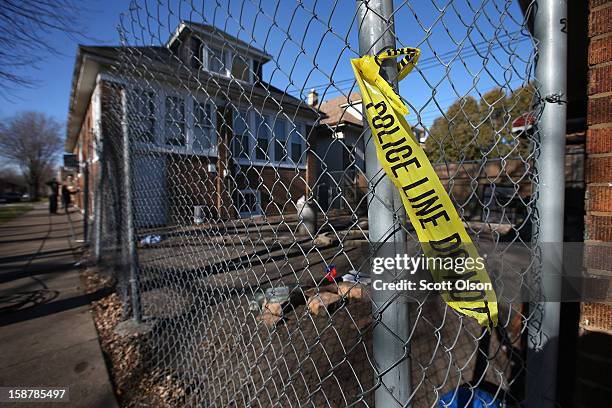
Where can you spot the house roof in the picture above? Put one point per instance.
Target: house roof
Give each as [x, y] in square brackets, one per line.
[213, 32]
[91, 60]
[159, 54]
[336, 110]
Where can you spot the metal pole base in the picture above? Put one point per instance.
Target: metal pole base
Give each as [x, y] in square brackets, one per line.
[131, 328]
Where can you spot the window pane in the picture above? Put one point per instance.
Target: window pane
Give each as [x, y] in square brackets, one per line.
[241, 139]
[296, 152]
[298, 143]
[203, 126]
[263, 137]
[216, 60]
[240, 124]
[262, 149]
[280, 129]
[280, 138]
[142, 116]
[175, 121]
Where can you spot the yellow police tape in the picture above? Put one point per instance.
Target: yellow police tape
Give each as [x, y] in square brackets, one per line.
[432, 214]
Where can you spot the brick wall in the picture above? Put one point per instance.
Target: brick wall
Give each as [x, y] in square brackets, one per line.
[189, 183]
[512, 182]
[85, 149]
[593, 363]
[280, 188]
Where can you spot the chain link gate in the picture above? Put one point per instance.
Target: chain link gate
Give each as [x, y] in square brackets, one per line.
[237, 187]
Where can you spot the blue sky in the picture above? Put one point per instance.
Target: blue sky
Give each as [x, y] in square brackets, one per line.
[311, 42]
[54, 75]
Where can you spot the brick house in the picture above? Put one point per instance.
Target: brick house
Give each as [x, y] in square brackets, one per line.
[198, 138]
[339, 150]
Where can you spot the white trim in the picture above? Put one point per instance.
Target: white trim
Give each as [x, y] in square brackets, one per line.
[225, 59]
[96, 113]
[164, 134]
[234, 44]
[175, 35]
[248, 119]
[159, 87]
[212, 150]
[161, 90]
[160, 144]
[269, 163]
[271, 119]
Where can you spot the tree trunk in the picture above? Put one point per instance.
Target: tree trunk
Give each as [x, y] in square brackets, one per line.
[35, 190]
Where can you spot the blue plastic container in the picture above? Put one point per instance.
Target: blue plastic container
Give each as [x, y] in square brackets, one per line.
[468, 398]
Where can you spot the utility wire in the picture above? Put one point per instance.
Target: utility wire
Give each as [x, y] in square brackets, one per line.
[425, 64]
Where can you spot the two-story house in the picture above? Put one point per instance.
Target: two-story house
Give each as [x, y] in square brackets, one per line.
[205, 130]
[339, 146]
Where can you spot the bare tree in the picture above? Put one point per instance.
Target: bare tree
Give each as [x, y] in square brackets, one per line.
[31, 141]
[26, 28]
[12, 175]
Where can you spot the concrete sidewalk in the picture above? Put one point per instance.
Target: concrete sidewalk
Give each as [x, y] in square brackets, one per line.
[47, 334]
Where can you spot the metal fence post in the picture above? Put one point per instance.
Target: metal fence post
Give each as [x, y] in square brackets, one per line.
[385, 214]
[86, 202]
[98, 191]
[132, 256]
[551, 73]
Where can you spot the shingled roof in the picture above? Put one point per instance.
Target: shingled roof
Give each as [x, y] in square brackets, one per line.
[209, 31]
[336, 110]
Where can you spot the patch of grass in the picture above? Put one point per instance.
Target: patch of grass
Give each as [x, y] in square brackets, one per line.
[11, 211]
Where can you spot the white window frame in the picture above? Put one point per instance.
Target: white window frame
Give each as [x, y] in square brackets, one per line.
[271, 121]
[256, 136]
[282, 158]
[212, 150]
[238, 150]
[180, 96]
[159, 141]
[96, 122]
[298, 131]
[226, 59]
[131, 93]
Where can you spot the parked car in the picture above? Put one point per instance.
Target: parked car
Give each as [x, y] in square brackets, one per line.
[10, 197]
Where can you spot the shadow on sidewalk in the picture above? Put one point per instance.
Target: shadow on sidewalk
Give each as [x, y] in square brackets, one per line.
[37, 255]
[33, 239]
[14, 313]
[21, 226]
[30, 233]
[36, 269]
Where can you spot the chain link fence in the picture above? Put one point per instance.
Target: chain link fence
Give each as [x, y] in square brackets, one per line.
[232, 197]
